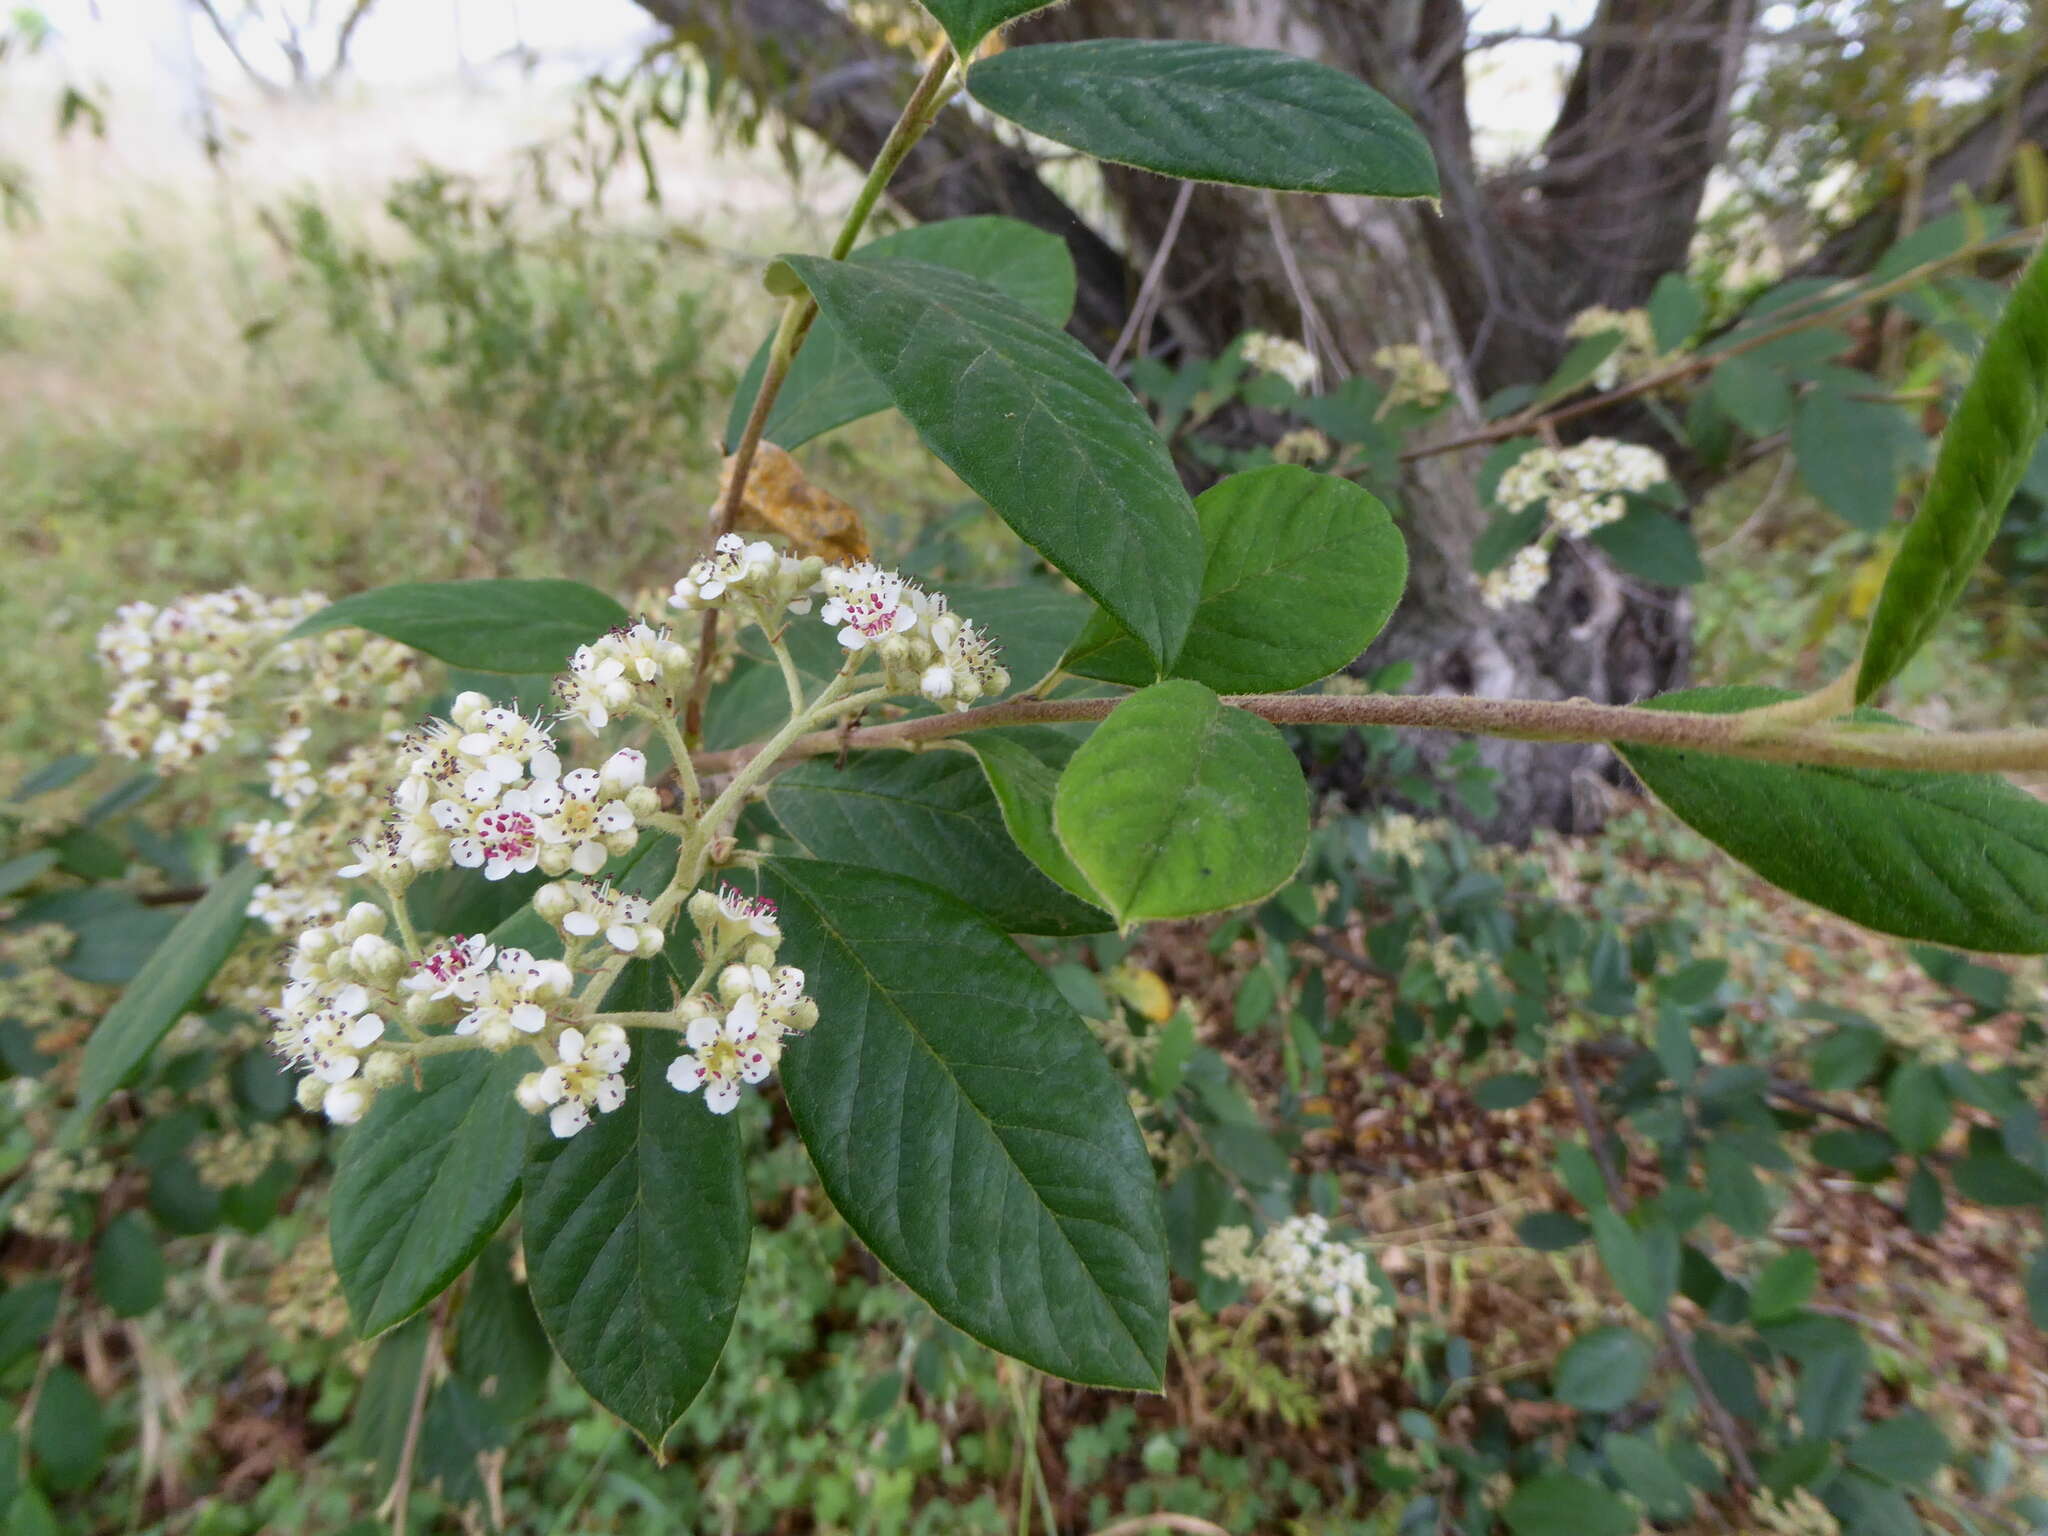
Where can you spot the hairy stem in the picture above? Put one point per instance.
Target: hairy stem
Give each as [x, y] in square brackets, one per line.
[1834, 746]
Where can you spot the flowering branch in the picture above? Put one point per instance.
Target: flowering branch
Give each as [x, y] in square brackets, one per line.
[1838, 745]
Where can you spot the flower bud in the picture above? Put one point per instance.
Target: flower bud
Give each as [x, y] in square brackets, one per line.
[720, 849]
[803, 1013]
[734, 982]
[553, 980]
[643, 800]
[651, 942]
[468, 709]
[420, 1008]
[364, 917]
[624, 770]
[311, 1092]
[698, 1005]
[554, 901]
[315, 942]
[376, 958]
[532, 1093]
[760, 953]
[381, 1068]
[346, 1102]
[703, 910]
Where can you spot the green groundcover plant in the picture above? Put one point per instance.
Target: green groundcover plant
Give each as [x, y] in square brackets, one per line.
[528, 983]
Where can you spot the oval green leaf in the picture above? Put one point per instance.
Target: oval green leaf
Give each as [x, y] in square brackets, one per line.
[1947, 858]
[930, 816]
[967, 1126]
[1604, 1371]
[128, 1267]
[1023, 766]
[828, 385]
[1035, 425]
[1250, 117]
[1301, 572]
[169, 983]
[1985, 450]
[425, 1179]
[1563, 1504]
[1180, 804]
[636, 1234]
[486, 626]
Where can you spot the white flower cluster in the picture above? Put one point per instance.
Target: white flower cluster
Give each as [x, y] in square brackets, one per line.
[1282, 355]
[1416, 378]
[1585, 488]
[751, 573]
[635, 666]
[1525, 576]
[1583, 484]
[1404, 839]
[737, 1035]
[485, 790]
[1300, 1264]
[1638, 341]
[923, 647]
[178, 668]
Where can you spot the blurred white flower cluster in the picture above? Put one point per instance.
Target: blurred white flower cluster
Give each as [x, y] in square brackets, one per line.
[1414, 377]
[1282, 355]
[1636, 354]
[1298, 1264]
[1584, 488]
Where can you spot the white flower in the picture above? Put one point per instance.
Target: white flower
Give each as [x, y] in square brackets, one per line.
[744, 1043]
[1519, 581]
[1417, 380]
[1585, 485]
[636, 661]
[585, 1077]
[447, 970]
[1282, 355]
[1300, 1264]
[867, 603]
[968, 667]
[584, 910]
[509, 1000]
[324, 1026]
[755, 914]
[507, 746]
[577, 825]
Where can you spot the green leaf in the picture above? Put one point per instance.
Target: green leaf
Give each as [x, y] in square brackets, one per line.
[1180, 804]
[1302, 571]
[382, 1410]
[501, 1349]
[1845, 455]
[1926, 1203]
[1908, 1447]
[29, 1514]
[128, 1267]
[1676, 310]
[1551, 1231]
[1916, 1102]
[1210, 112]
[1642, 1264]
[169, 983]
[424, 1181]
[1035, 425]
[23, 871]
[636, 1233]
[1023, 766]
[930, 816]
[1755, 397]
[1984, 450]
[1509, 1090]
[1994, 1178]
[68, 1438]
[828, 385]
[1649, 1474]
[1653, 545]
[486, 626]
[967, 22]
[1783, 1286]
[1864, 1153]
[1604, 1371]
[1734, 1191]
[2037, 1288]
[1579, 365]
[1949, 858]
[1863, 1505]
[27, 1313]
[1849, 1058]
[1732, 1378]
[1561, 1504]
[968, 1128]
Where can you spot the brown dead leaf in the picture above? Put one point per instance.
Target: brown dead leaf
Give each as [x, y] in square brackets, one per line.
[780, 500]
